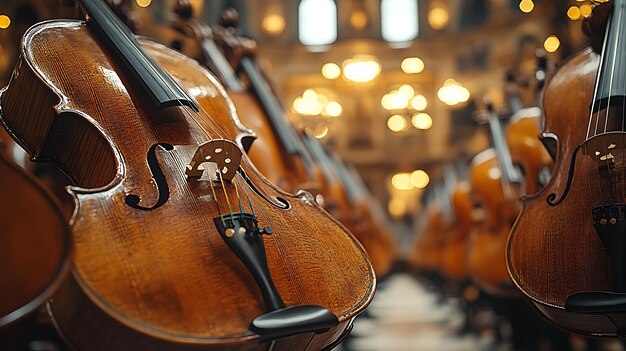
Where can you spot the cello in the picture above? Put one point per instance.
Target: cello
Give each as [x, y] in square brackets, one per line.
[566, 250]
[180, 244]
[34, 255]
[291, 165]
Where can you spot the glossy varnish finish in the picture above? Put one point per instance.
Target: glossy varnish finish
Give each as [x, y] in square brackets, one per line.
[554, 251]
[164, 276]
[527, 151]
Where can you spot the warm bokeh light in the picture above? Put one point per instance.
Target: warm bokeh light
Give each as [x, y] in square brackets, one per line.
[453, 93]
[573, 13]
[5, 21]
[585, 10]
[412, 65]
[331, 71]
[396, 123]
[313, 103]
[422, 121]
[144, 3]
[419, 102]
[359, 20]
[394, 100]
[274, 24]
[552, 43]
[419, 179]
[361, 68]
[333, 109]
[397, 207]
[401, 181]
[407, 91]
[438, 17]
[526, 6]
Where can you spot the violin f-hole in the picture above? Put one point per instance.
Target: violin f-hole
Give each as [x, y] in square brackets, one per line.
[159, 179]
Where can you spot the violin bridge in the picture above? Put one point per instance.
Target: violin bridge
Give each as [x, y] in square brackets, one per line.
[605, 148]
[225, 154]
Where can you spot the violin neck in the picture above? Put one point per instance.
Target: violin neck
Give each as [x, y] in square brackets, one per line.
[510, 174]
[161, 88]
[514, 101]
[220, 67]
[272, 107]
[611, 85]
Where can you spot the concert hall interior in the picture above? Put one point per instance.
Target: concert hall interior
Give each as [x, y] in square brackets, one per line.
[306, 175]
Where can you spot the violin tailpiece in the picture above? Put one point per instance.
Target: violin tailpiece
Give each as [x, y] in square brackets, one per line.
[224, 153]
[242, 234]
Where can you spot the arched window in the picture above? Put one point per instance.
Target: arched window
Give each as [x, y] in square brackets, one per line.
[317, 22]
[399, 20]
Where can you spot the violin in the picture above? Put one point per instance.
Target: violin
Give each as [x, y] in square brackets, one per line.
[35, 252]
[566, 250]
[180, 243]
[493, 179]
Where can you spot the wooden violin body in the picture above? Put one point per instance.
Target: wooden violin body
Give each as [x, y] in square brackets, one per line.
[526, 148]
[457, 241]
[428, 251]
[151, 270]
[553, 250]
[35, 250]
[486, 264]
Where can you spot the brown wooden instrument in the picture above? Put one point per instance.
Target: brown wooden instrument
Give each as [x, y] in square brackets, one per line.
[34, 250]
[566, 250]
[499, 200]
[427, 255]
[180, 244]
[351, 206]
[455, 252]
[277, 152]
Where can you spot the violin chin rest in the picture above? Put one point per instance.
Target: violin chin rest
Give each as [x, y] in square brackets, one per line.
[596, 302]
[293, 320]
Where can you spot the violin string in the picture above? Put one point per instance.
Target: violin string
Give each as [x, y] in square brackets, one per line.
[597, 113]
[597, 84]
[606, 151]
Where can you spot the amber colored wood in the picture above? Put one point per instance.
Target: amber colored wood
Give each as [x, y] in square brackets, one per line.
[527, 151]
[454, 264]
[35, 250]
[165, 277]
[428, 250]
[485, 258]
[554, 251]
[283, 170]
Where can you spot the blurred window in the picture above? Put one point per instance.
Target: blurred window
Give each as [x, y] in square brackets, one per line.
[317, 22]
[399, 20]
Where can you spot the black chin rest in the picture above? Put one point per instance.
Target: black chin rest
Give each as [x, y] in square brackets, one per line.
[596, 302]
[293, 320]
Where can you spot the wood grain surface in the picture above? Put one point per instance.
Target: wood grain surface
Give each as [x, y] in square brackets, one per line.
[165, 276]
